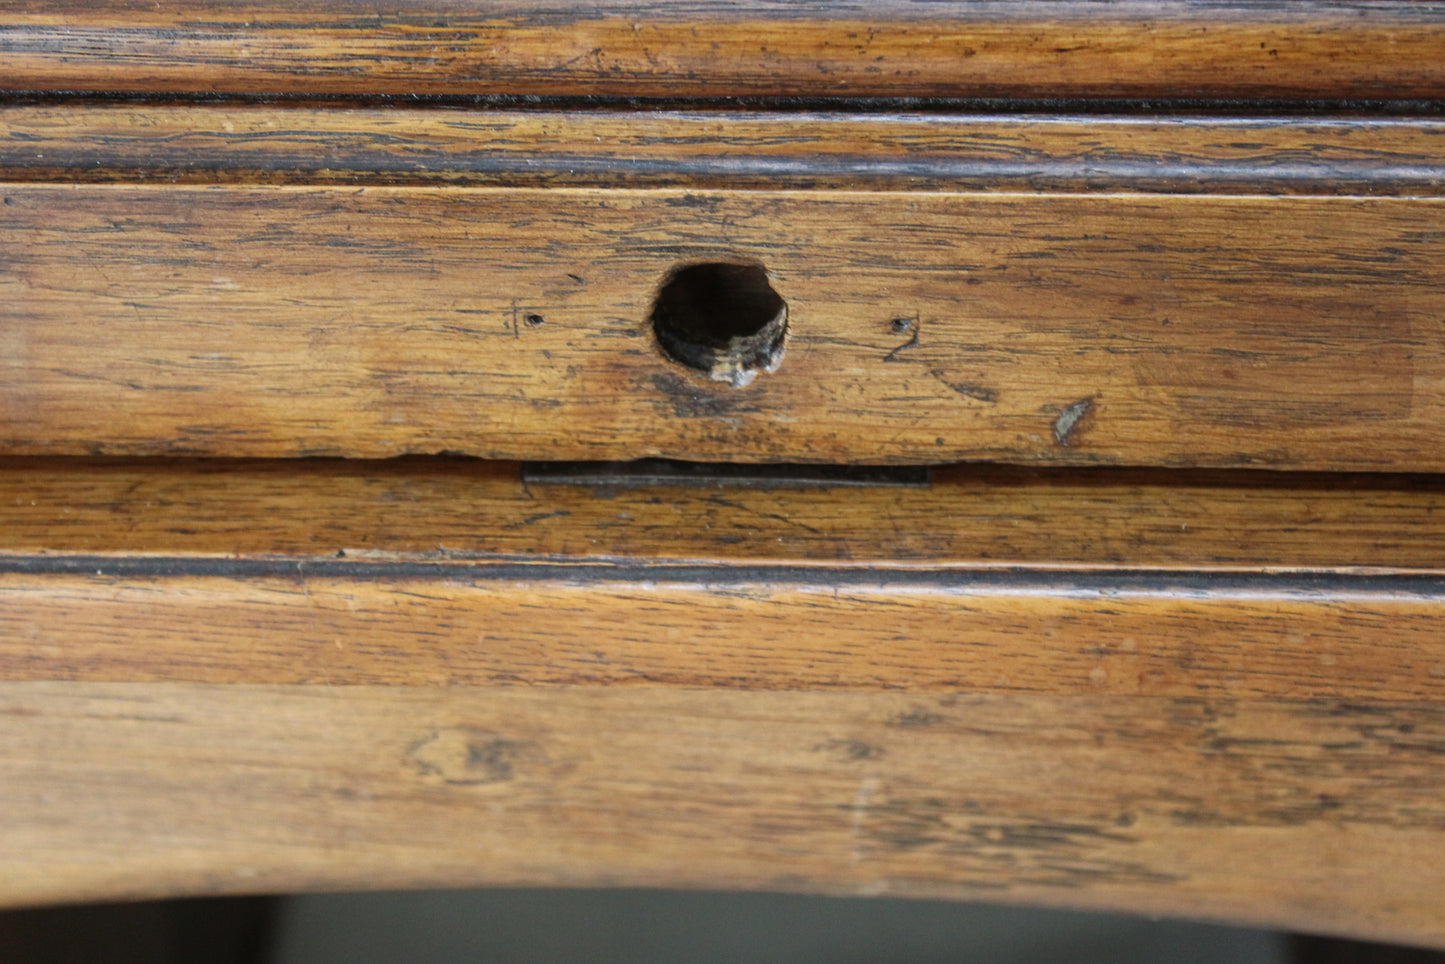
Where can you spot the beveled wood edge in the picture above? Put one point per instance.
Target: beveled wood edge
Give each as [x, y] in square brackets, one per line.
[1138, 48]
[730, 627]
[928, 151]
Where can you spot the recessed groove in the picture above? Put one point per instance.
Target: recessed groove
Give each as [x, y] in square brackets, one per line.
[1024, 580]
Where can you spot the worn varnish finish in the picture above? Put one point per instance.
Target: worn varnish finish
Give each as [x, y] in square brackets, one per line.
[975, 517]
[1157, 153]
[648, 703]
[717, 48]
[1319, 814]
[331, 675]
[1290, 332]
[449, 572]
[1212, 694]
[1060, 632]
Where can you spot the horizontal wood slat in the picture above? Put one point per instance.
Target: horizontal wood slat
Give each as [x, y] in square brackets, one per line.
[1139, 48]
[978, 517]
[988, 580]
[1303, 815]
[1286, 332]
[1070, 633]
[922, 151]
[322, 676]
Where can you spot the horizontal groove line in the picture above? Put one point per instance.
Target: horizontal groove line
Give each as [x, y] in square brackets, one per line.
[1191, 178]
[1087, 582]
[1221, 107]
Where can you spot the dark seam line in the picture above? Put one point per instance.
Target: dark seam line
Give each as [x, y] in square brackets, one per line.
[1081, 580]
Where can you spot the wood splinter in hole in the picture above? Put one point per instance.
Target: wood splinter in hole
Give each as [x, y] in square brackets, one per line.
[722, 319]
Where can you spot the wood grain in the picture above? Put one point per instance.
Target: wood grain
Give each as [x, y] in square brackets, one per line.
[327, 675]
[1207, 694]
[450, 572]
[716, 48]
[975, 517]
[1286, 332]
[750, 628]
[1176, 154]
[1312, 815]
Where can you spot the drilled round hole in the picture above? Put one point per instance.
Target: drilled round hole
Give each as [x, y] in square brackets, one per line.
[721, 319]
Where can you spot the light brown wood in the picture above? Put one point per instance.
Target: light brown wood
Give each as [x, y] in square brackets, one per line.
[1318, 815]
[110, 620]
[925, 327]
[1212, 694]
[417, 573]
[713, 707]
[1141, 48]
[976, 517]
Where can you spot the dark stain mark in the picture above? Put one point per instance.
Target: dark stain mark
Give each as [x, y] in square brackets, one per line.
[463, 756]
[1331, 772]
[706, 202]
[577, 278]
[918, 716]
[694, 401]
[491, 760]
[912, 325]
[979, 393]
[849, 750]
[1072, 421]
[1010, 848]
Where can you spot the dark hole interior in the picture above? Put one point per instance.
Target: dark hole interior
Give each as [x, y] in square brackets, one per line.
[711, 304]
[720, 318]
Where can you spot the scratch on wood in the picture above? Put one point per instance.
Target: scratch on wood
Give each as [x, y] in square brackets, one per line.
[912, 324]
[979, 393]
[1068, 421]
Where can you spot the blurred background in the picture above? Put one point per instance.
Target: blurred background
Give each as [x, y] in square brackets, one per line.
[636, 927]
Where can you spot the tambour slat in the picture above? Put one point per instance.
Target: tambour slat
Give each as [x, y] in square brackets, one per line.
[1080, 328]
[716, 48]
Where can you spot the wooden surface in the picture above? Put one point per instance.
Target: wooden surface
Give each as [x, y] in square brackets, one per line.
[1324, 815]
[1136, 48]
[1058, 688]
[1211, 694]
[83, 142]
[1168, 291]
[1284, 332]
[970, 517]
[1062, 632]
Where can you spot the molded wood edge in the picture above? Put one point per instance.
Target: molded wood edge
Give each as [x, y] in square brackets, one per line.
[754, 628]
[717, 49]
[1189, 155]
